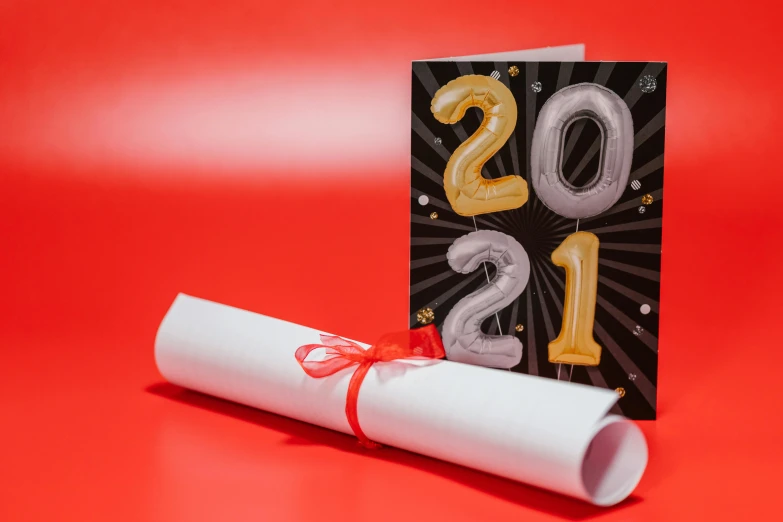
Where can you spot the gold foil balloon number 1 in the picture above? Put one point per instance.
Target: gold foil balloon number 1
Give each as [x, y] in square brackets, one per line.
[578, 254]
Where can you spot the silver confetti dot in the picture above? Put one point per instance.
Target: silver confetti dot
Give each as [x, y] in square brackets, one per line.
[638, 331]
[495, 75]
[645, 309]
[438, 141]
[636, 184]
[648, 83]
[642, 209]
[631, 376]
[536, 86]
[423, 200]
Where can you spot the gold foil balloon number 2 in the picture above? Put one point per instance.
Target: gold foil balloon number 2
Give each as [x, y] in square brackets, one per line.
[470, 194]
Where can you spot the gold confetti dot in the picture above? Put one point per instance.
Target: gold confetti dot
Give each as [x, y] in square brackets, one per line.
[620, 392]
[513, 70]
[425, 315]
[647, 199]
[434, 215]
[519, 328]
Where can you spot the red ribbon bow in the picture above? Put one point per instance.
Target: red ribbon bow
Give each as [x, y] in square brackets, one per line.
[424, 343]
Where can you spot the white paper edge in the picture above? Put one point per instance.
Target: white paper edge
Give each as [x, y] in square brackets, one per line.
[622, 473]
[562, 53]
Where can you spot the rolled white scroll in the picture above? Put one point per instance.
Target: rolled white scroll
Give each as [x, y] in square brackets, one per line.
[551, 434]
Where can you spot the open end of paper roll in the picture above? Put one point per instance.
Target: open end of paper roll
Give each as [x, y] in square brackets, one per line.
[614, 461]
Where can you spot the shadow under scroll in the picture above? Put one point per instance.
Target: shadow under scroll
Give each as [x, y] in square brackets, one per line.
[300, 433]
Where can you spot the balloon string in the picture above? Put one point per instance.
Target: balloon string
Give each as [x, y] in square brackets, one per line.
[486, 272]
[571, 372]
[497, 318]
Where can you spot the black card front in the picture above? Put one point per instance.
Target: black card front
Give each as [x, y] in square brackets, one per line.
[587, 146]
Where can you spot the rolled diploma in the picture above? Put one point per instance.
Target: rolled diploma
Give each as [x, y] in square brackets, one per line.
[551, 434]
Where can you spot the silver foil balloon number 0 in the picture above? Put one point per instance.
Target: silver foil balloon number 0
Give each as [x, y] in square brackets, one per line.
[611, 114]
[462, 336]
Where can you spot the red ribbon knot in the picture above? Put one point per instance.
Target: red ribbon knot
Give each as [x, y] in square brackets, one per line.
[421, 343]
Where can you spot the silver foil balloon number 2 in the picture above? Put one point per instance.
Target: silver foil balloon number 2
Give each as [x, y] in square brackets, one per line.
[462, 336]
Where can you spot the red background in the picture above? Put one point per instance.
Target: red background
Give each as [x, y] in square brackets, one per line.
[150, 147]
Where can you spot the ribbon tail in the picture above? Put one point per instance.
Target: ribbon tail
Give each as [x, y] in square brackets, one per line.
[352, 402]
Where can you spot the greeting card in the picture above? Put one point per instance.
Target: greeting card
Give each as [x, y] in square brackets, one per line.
[536, 215]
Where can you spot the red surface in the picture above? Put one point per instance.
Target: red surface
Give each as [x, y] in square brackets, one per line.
[152, 147]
